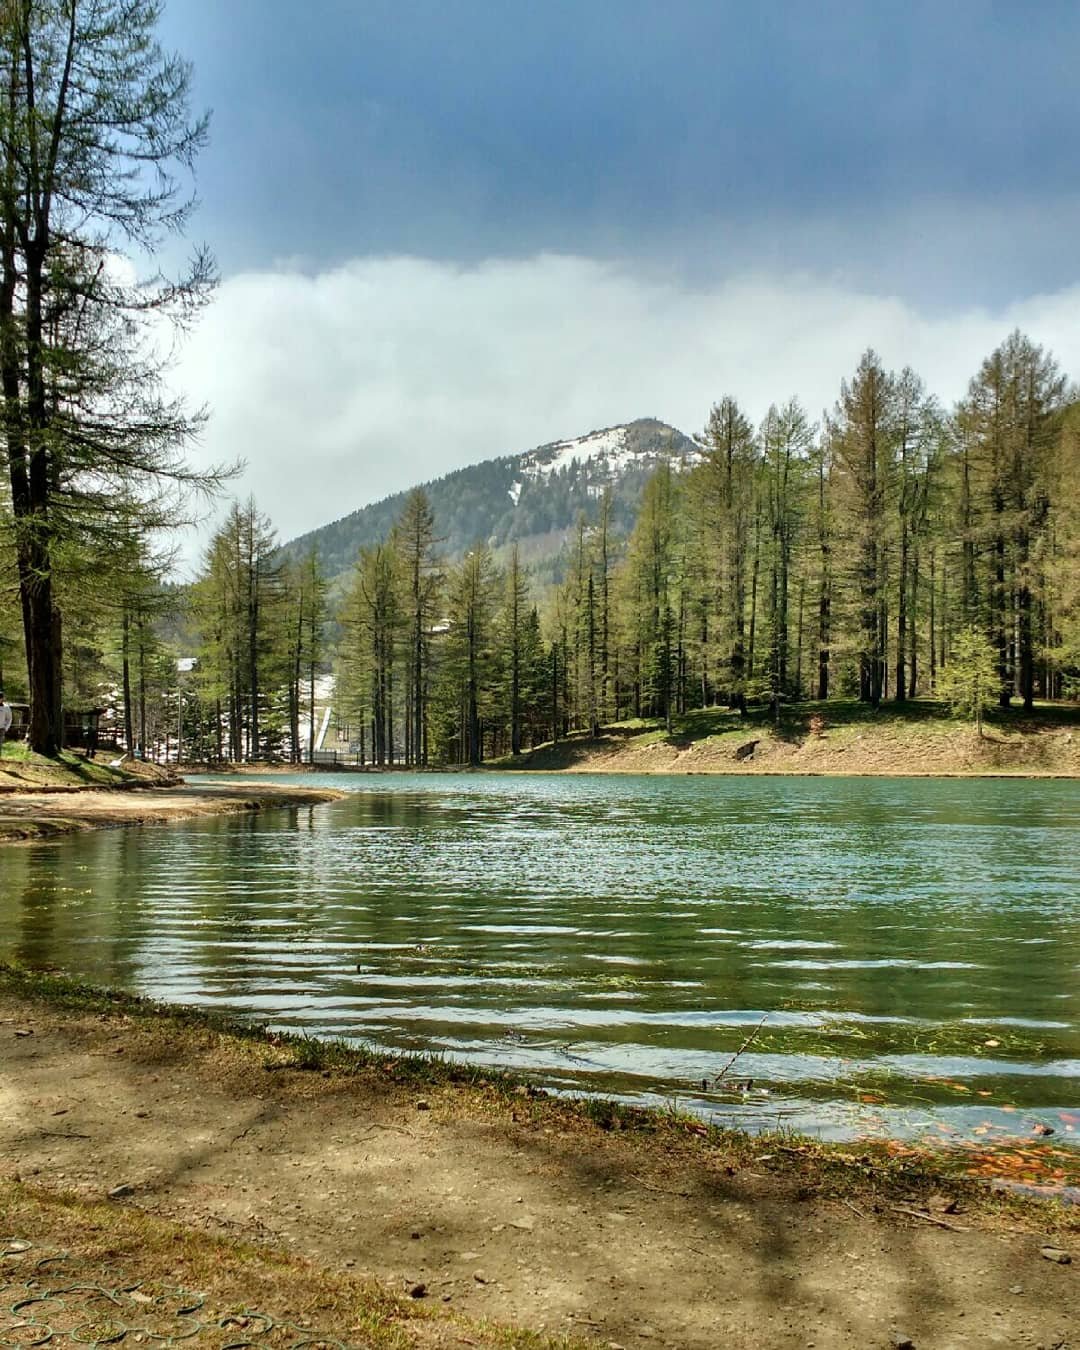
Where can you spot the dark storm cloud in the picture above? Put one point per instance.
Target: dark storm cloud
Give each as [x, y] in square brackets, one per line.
[933, 143]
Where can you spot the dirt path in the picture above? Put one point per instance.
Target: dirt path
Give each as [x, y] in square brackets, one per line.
[509, 1208]
[38, 815]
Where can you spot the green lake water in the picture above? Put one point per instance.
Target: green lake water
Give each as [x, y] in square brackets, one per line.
[913, 946]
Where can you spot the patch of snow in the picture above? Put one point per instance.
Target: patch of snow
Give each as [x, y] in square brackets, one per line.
[604, 455]
[599, 445]
[608, 446]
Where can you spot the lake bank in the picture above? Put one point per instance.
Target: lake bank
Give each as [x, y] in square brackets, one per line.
[637, 1228]
[907, 947]
[49, 811]
[826, 739]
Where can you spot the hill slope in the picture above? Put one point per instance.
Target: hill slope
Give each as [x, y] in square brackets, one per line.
[533, 497]
[834, 737]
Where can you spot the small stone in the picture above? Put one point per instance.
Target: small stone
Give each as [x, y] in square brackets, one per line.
[470, 1256]
[414, 1235]
[1056, 1254]
[23, 1031]
[1017, 1289]
[118, 1192]
[418, 1291]
[899, 1341]
[479, 1277]
[1040, 1128]
[422, 1105]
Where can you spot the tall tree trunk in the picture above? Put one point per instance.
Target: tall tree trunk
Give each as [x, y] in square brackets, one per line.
[900, 683]
[125, 643]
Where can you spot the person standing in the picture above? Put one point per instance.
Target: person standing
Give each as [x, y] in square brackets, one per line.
[5, 720]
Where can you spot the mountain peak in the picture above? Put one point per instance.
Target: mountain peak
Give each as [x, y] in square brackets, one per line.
[533, 498]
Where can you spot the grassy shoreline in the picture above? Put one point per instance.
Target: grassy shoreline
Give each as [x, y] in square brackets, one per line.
[835, 738]
[862, 1168]
[386, 1201]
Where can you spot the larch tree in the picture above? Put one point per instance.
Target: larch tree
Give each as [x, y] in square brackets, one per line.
[786, 439]
[864, 448]
[421, 580]
[1010, 427]
[469, 665]
[97, 136]
[727, 478]
[516, 635]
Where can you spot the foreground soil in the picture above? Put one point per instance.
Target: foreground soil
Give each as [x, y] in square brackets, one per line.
[828, 738]
[486, 1201]
[28, 815]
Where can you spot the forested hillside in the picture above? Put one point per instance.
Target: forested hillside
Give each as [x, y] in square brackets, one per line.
[899, 550]
[533, 498]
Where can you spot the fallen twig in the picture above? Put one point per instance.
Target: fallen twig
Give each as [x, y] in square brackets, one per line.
[723, 1072]
[652, 1187]
[854, 1208]
[931, 1218]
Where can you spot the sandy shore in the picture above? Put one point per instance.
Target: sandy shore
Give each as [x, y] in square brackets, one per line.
[42, 815]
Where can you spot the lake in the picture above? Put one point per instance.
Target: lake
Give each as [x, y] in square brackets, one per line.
[901, 954]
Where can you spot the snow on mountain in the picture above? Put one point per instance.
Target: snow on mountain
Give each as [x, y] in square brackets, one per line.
[609, 445]
[533, 497]
[604, 454]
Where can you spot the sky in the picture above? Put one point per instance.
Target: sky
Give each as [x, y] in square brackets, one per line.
[451, 229]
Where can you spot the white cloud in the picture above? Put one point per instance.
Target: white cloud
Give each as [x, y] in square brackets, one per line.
[342, 387]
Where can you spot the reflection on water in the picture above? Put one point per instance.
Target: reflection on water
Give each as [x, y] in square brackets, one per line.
[912, 946]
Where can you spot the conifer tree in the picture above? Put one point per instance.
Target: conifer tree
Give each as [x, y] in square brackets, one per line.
[96, 129]
[421, 580]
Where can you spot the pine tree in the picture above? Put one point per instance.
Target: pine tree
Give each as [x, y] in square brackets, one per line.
[727, 480]
[421, 578]
[95, 128]
[864, 446]
[1009, 428]
[469, 668]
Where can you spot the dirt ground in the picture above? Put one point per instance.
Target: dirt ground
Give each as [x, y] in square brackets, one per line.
[509, 1206]
[894, 748]
[37, 815]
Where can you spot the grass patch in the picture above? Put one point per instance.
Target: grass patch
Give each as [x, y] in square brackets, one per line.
[896, 734]
[23, 769]
[112, 1272]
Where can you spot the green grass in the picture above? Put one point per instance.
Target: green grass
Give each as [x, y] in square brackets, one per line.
[68, 769]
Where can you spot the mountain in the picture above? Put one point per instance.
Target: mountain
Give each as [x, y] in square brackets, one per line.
[533, 497]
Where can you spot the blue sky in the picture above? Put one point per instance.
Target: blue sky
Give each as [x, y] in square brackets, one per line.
[916, 154]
